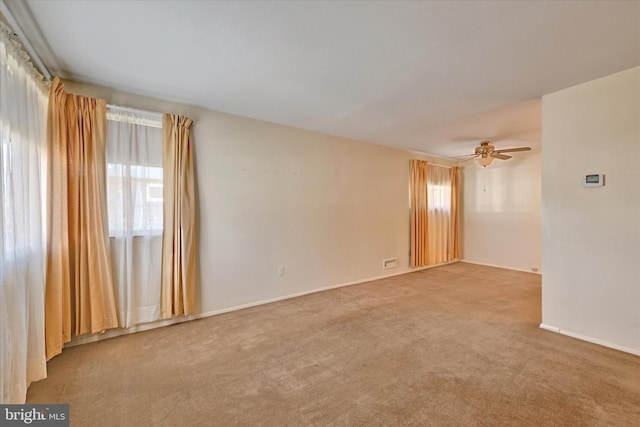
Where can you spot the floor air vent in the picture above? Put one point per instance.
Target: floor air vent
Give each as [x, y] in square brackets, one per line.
[389, 263]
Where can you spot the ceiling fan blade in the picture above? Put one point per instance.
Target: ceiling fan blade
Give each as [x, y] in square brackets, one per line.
[469, 159]
[512, 150]
[497, 155]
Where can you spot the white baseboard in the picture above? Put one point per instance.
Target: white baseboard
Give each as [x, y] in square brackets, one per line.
[589, 339]
[549, 328]
[112, 333]
[501, 266]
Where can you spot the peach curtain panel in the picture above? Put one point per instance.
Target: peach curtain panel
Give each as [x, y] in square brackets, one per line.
[438, 213]
[79, 284]
[178, 241]
[454, 241]
[419, 219]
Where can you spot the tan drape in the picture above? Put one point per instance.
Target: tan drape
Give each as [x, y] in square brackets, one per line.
[78, 256]
[419, 221]
[454, 238]
[178, 241]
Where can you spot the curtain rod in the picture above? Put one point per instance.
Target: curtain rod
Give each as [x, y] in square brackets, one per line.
[13, 23]
[153, 114]
[435, 164]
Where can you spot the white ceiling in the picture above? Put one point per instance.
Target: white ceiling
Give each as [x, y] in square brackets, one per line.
[427, 76]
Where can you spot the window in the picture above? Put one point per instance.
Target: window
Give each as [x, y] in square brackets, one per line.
[134, 199]
[135, 209]
[134, 174]
[439, 213]
[439, 196]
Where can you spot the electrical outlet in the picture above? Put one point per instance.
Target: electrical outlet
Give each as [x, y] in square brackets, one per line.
[281, 271]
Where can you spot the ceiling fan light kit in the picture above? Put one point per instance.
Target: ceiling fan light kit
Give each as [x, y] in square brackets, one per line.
[486, 152]
[485, 161]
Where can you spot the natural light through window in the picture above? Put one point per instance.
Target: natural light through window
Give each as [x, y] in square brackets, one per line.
[134, 175]
[142, 186]
[439, 197]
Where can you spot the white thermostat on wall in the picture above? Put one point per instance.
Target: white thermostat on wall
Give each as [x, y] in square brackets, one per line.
[593, 180]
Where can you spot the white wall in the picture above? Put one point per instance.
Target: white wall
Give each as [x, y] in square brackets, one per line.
[501, 213]
[327, 209]
[591, 236]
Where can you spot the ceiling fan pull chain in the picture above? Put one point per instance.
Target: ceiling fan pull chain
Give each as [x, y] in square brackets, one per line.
[484, 179]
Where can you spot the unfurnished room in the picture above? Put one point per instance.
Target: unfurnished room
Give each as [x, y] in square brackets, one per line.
[319, 213]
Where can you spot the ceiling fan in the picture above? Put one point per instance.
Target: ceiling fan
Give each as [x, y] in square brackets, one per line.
[486, 152]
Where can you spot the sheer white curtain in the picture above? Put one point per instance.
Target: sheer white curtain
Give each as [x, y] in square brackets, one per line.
[23, 106]
[135, 204]
[438, 213]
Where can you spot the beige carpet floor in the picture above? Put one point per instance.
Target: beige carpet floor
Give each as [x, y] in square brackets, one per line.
[454, 345]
